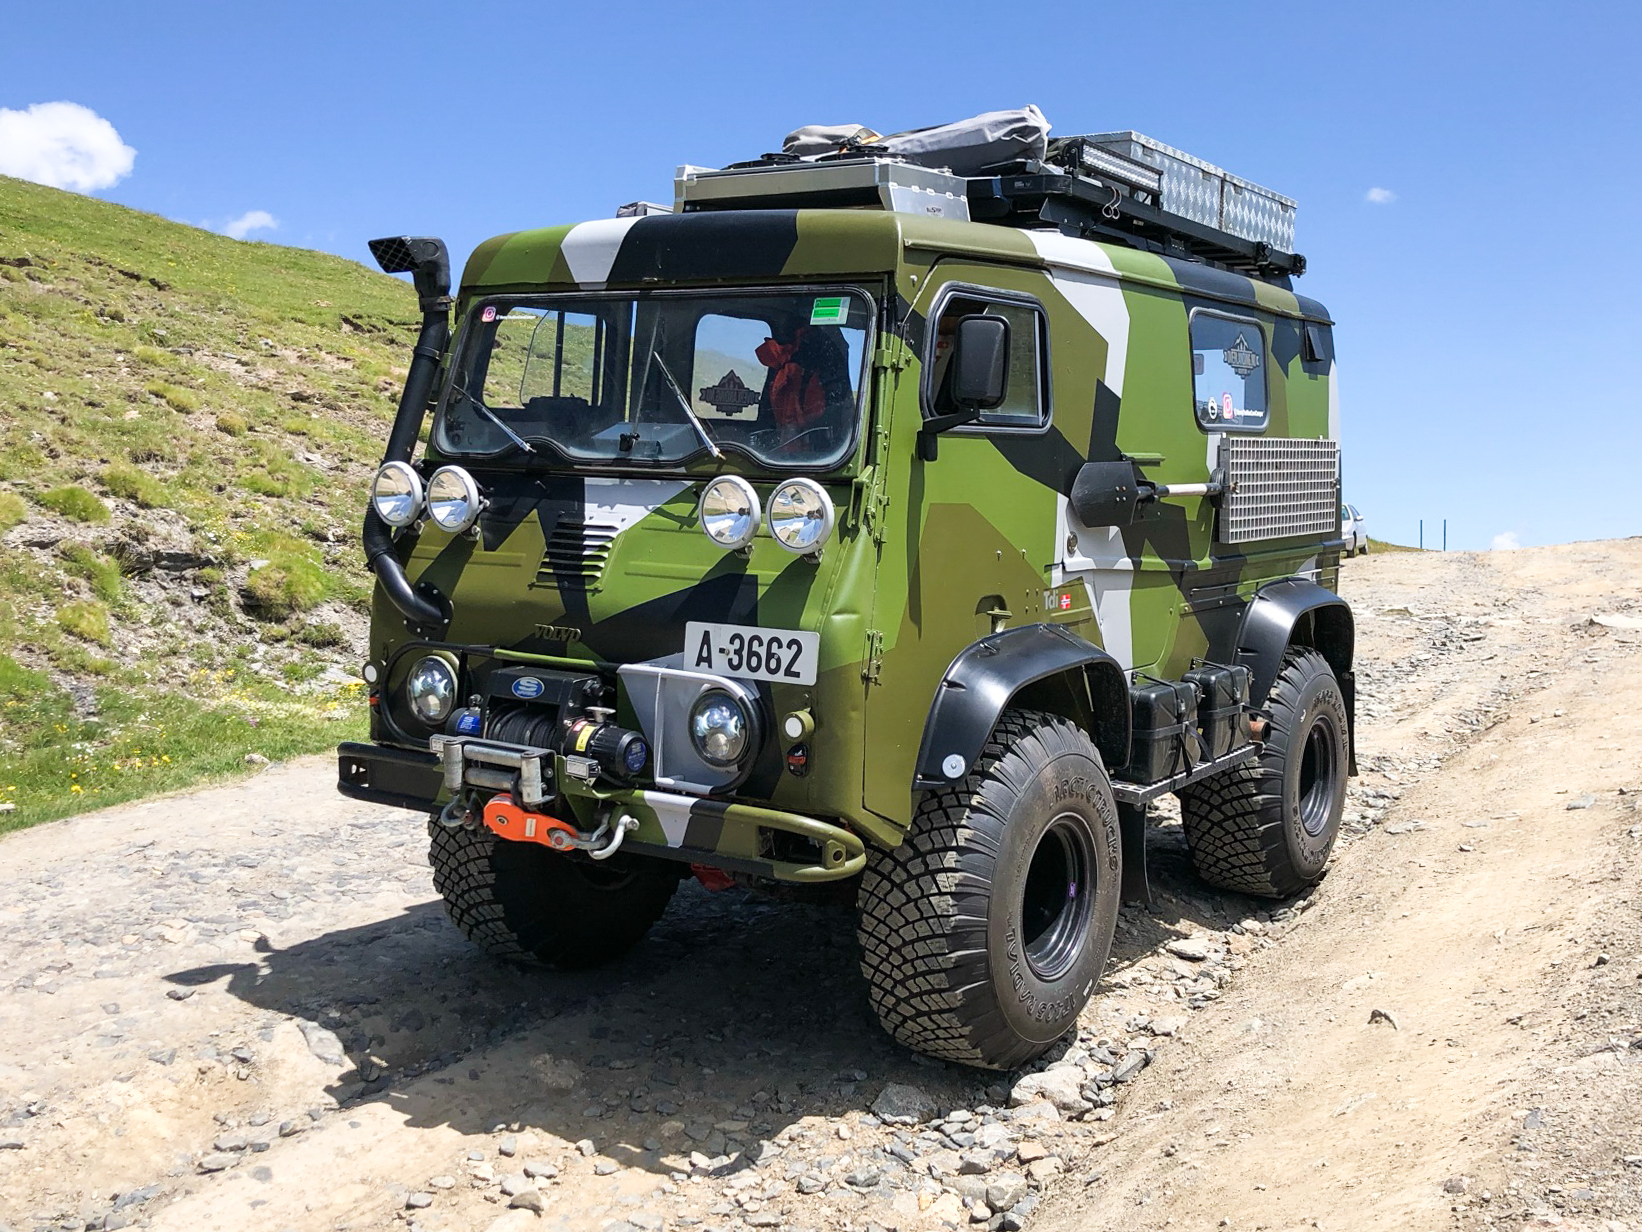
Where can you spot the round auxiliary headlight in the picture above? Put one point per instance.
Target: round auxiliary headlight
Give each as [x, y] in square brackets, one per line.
[730, 512]
[801, 516]
[720, 728]
[453, 499]
[431, 689]
[396, 494]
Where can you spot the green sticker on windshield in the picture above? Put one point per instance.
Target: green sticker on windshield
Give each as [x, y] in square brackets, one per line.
[830, 310]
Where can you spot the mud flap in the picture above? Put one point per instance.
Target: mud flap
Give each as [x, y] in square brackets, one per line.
[1131, 820]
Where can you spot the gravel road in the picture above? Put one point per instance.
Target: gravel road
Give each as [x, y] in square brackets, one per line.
[243, 1008]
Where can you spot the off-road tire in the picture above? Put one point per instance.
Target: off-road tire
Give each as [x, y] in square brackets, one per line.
[527, 904]
[966, 957]
[1267, 827]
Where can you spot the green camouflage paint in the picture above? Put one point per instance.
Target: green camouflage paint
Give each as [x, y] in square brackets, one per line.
[926, 557]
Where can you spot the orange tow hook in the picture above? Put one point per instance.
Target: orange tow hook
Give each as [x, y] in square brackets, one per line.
[510, 821]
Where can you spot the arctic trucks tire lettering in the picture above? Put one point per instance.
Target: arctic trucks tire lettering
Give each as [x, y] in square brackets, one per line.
[856, 521]
[984, 932]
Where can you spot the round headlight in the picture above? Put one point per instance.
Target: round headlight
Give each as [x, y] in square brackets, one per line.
[720, 728]
[431, 689]
[453, 499]
[396, 494]
[801, 516]
[730, 512]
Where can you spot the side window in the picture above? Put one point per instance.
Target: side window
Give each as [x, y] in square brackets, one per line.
[1026, 386]
[1228, 371]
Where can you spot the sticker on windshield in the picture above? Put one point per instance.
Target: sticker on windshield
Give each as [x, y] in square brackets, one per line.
[830, 310]
[489, 314]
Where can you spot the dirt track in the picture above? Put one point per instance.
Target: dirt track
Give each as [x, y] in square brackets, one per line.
[243, 1008]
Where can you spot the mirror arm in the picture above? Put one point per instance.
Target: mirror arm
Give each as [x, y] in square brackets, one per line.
[936, 424]
[1157, 491]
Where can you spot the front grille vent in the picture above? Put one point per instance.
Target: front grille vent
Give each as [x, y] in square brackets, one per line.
[576, 554]
[1279, 488]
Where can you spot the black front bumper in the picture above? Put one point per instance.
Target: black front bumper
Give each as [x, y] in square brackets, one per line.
[402, 778]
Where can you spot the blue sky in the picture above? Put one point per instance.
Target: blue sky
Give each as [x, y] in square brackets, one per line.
[1487, 312]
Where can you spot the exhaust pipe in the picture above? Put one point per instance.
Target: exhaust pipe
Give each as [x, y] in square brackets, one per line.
[427, 261]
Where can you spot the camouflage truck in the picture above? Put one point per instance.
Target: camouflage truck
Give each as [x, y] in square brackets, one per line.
[857, 527]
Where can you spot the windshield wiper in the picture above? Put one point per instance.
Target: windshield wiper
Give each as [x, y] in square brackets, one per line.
[494, 418]
[684, 405]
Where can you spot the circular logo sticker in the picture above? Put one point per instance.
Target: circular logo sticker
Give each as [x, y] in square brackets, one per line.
[1226, 406]
[527, 687]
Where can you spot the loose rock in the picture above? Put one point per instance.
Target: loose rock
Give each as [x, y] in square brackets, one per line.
[902, 1104]
[527, 1200]
[1193, 949]
[1061, 1086]
[1006, 1190]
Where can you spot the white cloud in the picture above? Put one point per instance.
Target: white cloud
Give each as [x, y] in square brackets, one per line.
[63, 145]
[1506, 541]
[1379, 196]
[251, 220]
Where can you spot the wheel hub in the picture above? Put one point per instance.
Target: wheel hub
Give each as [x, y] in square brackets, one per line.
[1058, 898]
[1317, 777]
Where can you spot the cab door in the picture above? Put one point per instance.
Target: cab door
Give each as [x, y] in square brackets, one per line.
[970, 535]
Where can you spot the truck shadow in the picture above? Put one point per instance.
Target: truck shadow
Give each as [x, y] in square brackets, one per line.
[734, 1018]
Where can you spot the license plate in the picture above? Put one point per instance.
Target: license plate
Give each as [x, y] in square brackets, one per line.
[750, 653]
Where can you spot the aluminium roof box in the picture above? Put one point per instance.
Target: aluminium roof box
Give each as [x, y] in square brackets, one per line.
[1202, 192]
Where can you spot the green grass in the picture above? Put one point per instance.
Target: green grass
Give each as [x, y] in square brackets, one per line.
[1380, 545]
[102, 572]
[124, 479]
[58, 761]
[285, 586]
[75, 503]
[86, 619]
[178, 399]
[151, 366]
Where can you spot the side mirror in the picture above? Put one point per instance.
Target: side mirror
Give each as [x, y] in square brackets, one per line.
[977, 376]
[980, 358]
[1106, 494]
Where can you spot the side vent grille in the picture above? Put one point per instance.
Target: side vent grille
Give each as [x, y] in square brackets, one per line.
[1280, 488]
[576, 554]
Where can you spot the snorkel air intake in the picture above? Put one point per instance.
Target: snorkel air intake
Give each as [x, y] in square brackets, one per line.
[426, 260]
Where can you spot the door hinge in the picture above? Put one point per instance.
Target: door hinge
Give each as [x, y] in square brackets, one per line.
[875, 657]
[893, 353]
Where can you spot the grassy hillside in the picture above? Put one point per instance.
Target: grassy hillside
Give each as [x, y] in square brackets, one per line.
[1376, 546]
[187, 427]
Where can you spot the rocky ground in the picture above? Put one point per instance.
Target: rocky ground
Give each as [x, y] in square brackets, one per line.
[243, 1008]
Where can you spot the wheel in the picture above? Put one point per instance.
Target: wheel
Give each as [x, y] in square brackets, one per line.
[1266, 827]
[984, 932]
[1363, 551]
[525, 903]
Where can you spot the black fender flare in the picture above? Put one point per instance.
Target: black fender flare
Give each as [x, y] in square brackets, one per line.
[1298, 612]
[987, 675]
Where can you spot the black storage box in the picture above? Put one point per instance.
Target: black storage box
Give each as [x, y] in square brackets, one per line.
[1222, 707]
[1164, 741]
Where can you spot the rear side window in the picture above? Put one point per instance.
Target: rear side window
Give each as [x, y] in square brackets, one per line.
[1228, 372]
[1026, 388]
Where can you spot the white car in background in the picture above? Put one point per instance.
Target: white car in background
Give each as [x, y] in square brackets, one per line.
[1353, 531]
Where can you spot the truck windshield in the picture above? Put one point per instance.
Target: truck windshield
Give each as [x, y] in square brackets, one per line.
[652, 379]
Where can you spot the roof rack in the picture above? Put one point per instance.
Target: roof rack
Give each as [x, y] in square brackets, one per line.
[1121, 187]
